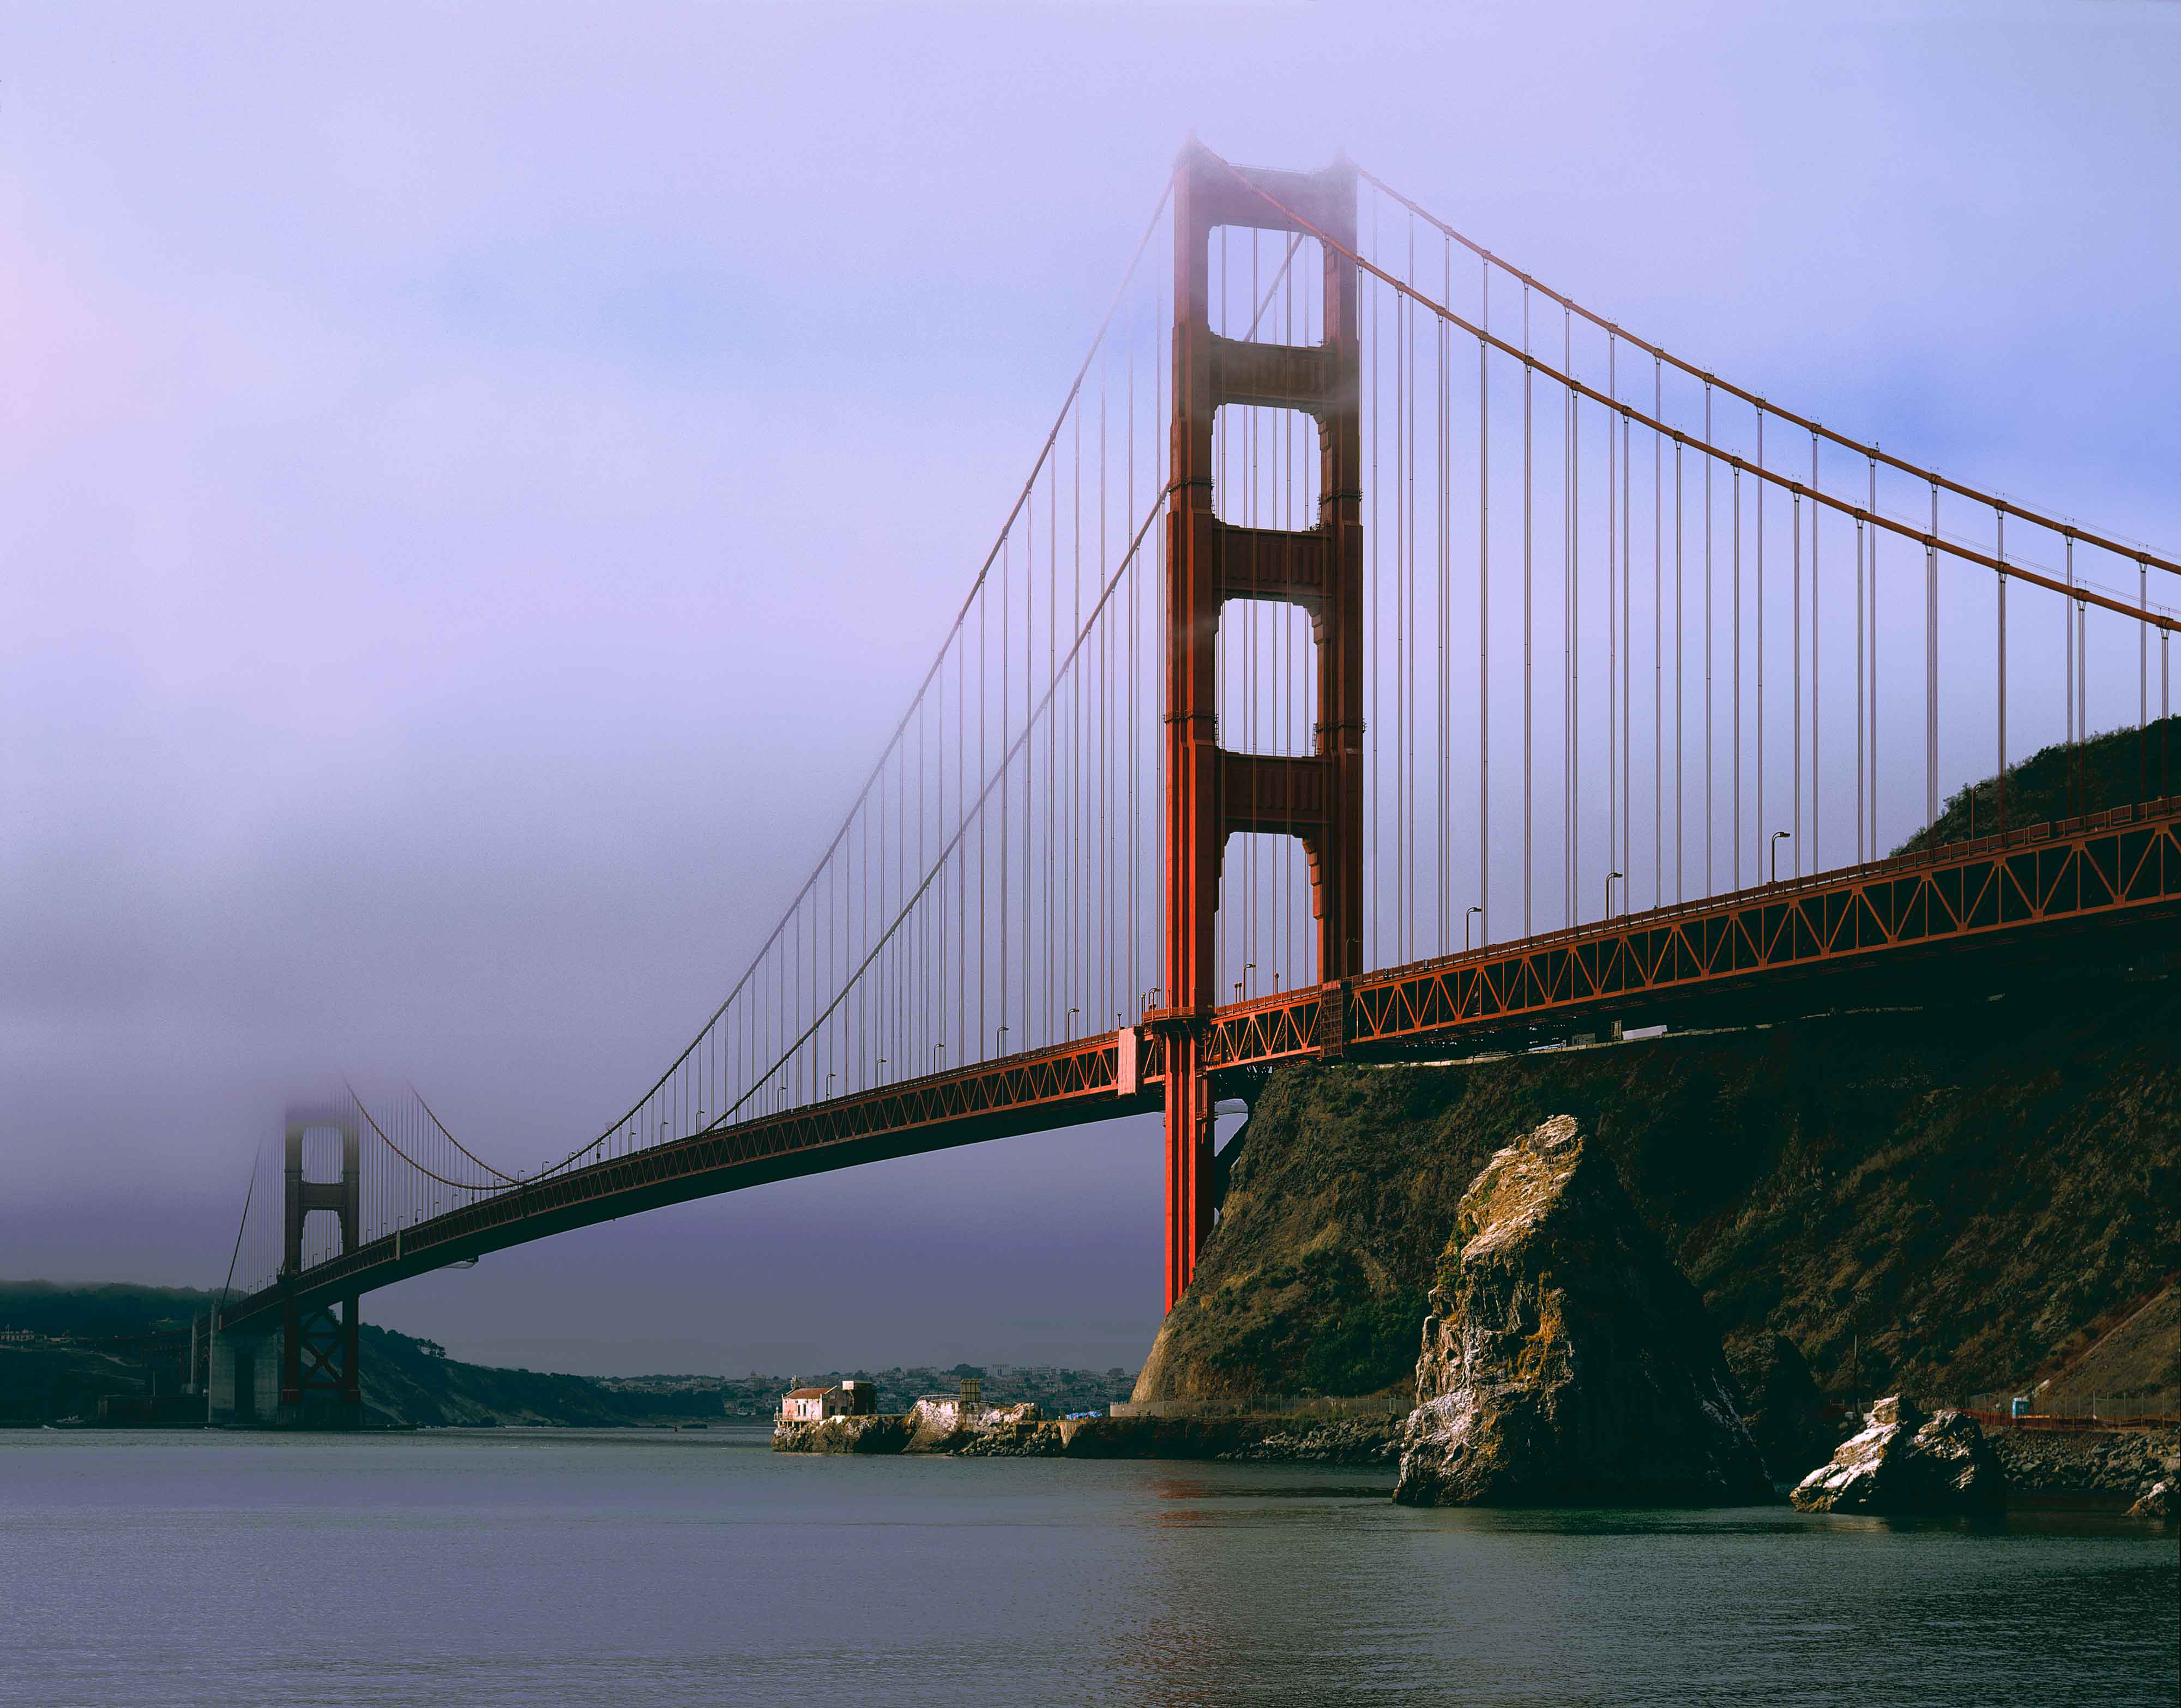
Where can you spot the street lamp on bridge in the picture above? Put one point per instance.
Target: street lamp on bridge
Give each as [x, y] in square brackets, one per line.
[1464, 927]
[1778, 837]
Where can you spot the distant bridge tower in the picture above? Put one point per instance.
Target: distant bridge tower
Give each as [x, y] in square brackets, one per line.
[1213, 793]
[319, 1385]
[303, 1374]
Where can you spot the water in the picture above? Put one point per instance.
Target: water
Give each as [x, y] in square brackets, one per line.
[553, 1568]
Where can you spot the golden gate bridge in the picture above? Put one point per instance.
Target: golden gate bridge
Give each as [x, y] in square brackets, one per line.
[1384, 650]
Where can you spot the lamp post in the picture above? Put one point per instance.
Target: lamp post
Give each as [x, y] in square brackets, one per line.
[1464, 927]
[1778, 837]
[1609, 877]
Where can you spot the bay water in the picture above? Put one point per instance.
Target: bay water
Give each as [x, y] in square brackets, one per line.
[560, 1566]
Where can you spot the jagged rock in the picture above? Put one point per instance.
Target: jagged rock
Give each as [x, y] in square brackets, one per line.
[1905, 1460]
[2157, 1502]
[1566, 1358]
[842, 1434]
[940, 1423]
[1781, 1401]
[1345, 1442]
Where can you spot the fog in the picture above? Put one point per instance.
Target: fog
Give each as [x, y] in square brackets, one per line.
[477, 487]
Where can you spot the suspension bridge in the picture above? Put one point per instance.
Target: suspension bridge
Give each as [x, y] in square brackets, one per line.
[1384, 652]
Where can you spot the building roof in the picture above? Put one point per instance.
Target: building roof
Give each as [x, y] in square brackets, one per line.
[807, 1393]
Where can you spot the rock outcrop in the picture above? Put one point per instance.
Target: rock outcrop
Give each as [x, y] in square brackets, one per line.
[1566, 1358]
[843, 1435]
[1905, 1460]
[2157, 1502]
[1780, 1402]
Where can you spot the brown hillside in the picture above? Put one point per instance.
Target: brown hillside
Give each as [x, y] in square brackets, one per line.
[1934, 1199]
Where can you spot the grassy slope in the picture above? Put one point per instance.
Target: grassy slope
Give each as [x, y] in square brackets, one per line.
[1958, 1191]
[2061, 782]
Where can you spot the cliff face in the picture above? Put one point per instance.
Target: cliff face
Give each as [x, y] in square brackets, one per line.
[1924, 1200]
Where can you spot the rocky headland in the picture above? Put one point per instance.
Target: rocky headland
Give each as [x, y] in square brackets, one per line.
[1935, 1201]
[1565, 1358]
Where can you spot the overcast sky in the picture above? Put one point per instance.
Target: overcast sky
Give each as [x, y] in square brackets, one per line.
[476, 484]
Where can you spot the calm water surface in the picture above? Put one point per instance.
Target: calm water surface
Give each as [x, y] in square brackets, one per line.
[557, 1567]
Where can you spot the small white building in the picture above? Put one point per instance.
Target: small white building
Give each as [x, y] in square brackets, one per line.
[848, 1399]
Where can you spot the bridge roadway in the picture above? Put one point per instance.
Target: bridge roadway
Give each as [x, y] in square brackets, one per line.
[2086, 893]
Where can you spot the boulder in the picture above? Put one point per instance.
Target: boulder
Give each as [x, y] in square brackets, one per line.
[2157, 1502]
[1906, 1460]
[1566, 1357]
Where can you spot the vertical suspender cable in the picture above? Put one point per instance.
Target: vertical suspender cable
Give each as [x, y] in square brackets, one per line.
[1628, 668]
[1573, 563]
[1931, 665]
[1374, 786]
[1875, 842]
[1737, 676]
[2067, 692]
[1613, 482]
[1817, 677]
[1860, 833]
[1999, 551]
[1484, 611]
[1795, 683]
[1567, 605]
[1681, 703]
[1529, 618]
[2142, 682]
[1442, 800]
[1763, 865]
[1403, 722]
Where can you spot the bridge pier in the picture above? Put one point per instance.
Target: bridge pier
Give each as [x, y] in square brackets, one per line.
[1214, 792]
[243, 1381]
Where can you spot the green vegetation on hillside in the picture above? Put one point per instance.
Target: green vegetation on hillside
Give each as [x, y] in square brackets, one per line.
[2115, 769]
[96, 1309]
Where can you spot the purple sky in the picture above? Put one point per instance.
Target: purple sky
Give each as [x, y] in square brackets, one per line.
[476, 486]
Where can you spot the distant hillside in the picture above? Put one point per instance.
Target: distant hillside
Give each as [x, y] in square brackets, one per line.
[405, 1379]
[94, 1309]
[2114, 769]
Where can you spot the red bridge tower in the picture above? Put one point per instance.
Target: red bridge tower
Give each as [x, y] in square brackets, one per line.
[1213, 793]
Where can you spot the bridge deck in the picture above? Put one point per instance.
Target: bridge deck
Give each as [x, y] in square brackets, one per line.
[2012, 902]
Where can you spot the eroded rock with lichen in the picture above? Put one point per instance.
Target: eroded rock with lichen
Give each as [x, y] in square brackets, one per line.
[1566, 1357]
[1905, 1460]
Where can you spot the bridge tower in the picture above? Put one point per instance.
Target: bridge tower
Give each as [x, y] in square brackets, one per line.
[1213, 793]
[319, 1376]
